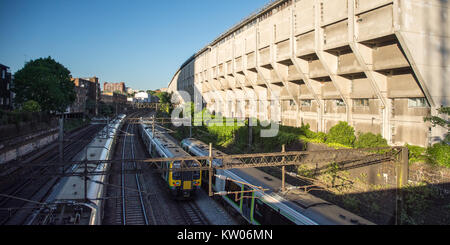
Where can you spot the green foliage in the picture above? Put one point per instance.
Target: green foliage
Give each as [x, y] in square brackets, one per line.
[440, 121]
[31, 106]
[342, 134]
[46, 82]
[165, 102]
[417, 200]
[338, 146]
[439, 154]
[164, 97]
[370, 140]
[416, 153]
[106, 110]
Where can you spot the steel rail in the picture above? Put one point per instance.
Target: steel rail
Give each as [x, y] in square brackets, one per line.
[123, 179]
[138, 183]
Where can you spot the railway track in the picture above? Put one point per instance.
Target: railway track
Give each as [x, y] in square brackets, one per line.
[191, 213]
[15, 203]
[133, 205]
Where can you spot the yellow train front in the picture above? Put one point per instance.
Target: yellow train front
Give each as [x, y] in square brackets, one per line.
[182, 185]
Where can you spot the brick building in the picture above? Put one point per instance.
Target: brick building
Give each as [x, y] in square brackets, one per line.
[88, 95]
[6, 94]
[114, 87]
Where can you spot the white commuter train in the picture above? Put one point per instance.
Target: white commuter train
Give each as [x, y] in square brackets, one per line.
[71, 207]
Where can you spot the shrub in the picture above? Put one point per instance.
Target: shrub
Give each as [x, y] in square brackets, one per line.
[370, 140]
[416, 153]
[439, 154]
[31, 106]
[321, 137]
[342, 134]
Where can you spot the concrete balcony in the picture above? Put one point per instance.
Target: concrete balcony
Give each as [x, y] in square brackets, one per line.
[364, 6]
[251, 64]
[274, 77]
[336, 35]
[293, 75]
[403, 86]
[224, 84]
[305, 44]
[375, 23]
[305, 93]
[304, 16]
[333, 11]
[221, 70]
[388, 57]
[239, 64]
[329, 91]
[283, 51]
[260, 81]
[316, 69]
[347, 64]
[230, 69]
[362, 88]
[264, 56]
[214, 72]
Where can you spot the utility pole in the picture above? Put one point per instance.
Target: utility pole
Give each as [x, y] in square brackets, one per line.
[210, 170]
[61, 138]
[283, 170]
[153, 126]
[250, 134]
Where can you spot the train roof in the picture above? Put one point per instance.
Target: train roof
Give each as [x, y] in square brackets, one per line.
[167, 141]
[205, 147]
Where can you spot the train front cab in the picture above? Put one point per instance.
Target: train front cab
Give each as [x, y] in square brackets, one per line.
[183, 185]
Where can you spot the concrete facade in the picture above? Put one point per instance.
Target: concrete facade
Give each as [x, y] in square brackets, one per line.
[381, 65]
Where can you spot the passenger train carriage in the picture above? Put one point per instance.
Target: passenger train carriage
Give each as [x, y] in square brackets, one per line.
[272, 207]
[182, 185]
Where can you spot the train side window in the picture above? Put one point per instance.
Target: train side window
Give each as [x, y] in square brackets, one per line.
[258, 213]
[277, 219]
[232, 187]
[266, 215]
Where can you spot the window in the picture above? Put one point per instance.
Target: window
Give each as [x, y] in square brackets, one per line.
[340, 102]
[361, 102]
[3, 74]
[232, 187]
[306, 103]
[291, 103]
[267, 215]
[417, 103]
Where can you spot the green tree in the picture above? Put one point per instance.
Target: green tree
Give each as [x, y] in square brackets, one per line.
[438, 121]
[342, 133]
[31, 106]
[164, 97]
[370, 140]
[47, 82]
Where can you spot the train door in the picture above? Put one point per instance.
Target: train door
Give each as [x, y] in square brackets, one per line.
[247, 198]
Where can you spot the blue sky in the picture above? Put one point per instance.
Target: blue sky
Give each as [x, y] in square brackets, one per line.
[140, 42]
